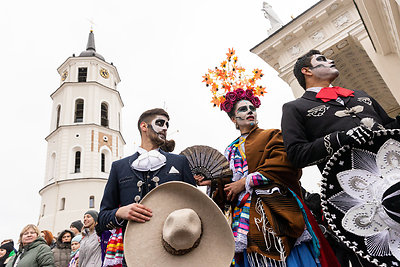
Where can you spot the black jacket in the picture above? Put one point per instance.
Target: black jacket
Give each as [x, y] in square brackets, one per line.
[310, 126]
[122, 188]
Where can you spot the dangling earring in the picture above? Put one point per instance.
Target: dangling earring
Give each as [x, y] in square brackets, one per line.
[237, 126]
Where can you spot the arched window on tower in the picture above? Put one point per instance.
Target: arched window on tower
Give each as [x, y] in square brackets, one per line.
[91, 202]
[62, 204]
[77, 167]
[79, 105]
[103, 162]
[52, 170]
[104, 114]
[43, 209]
[58, 116]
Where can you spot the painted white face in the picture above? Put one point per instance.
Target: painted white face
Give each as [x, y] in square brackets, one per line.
[323, 68]
[160, 126]
[245, 114]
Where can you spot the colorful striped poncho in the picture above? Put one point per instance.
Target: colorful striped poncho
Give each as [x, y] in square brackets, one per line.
[236, 156]
[115, 249]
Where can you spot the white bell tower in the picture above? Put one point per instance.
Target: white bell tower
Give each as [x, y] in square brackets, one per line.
[85, 138]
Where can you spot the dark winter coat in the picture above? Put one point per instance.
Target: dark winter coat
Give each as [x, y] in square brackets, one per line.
[62, 254]
[9, 247]
[62, 251]
[35, 254]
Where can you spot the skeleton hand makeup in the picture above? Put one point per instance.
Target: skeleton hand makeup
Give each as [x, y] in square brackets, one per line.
[245, 114]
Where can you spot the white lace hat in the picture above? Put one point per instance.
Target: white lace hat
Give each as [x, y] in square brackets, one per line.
[360, 197]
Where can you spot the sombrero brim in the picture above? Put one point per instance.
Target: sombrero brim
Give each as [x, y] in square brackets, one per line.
[143, 241]
[354, 182]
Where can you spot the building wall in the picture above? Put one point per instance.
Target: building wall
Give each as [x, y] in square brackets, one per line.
[76, 194]
[67, 191]
[355, 43]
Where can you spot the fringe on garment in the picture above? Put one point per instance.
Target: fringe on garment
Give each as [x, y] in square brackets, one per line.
[270, 239]
[258, 260]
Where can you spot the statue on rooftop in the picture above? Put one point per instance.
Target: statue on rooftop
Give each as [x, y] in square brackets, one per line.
[273, 18]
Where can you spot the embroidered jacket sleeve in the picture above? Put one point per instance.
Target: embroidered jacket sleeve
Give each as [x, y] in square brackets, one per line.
[255, 179]
[387, 122]
[111, 202]
[300, 150]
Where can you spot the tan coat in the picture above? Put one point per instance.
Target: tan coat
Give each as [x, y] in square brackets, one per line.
[266, 154]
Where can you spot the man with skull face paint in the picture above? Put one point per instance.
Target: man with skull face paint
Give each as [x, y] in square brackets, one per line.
[131, 178]
[326, 118]
[265, 192]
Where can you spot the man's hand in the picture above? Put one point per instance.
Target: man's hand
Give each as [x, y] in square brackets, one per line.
[134, 212]
[233, 189]
[200, 180]
[357, 135]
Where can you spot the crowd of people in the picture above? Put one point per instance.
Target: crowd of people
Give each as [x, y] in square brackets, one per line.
[80, 245]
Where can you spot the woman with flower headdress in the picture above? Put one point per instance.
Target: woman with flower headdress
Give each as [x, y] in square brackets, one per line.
[270, 223]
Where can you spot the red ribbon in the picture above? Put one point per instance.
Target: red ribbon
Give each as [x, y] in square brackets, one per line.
[332, 93]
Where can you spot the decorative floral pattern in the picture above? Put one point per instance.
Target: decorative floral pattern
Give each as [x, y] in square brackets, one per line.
[230, 83]
[369, 199]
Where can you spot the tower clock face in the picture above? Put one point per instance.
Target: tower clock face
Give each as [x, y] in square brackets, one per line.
[104, 73]
[64, 75]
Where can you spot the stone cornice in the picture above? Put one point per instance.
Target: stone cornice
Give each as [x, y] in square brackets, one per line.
[73, 60]
[84, 84]
[310, 30]
[70, 181]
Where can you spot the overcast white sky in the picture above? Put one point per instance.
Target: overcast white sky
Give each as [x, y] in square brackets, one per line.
[161, 50]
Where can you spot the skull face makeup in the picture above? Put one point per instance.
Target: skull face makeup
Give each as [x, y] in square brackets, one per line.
[159, 126]
[245, 115]
[323, 68]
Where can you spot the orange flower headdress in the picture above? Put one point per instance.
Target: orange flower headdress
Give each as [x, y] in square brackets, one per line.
[230, 84]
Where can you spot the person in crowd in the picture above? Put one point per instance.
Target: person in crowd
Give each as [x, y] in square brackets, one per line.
[5, 253]
[75, 245]
[90, 249]
[76, 227]
[33, 250]
[265, 194]
[62, 250]
[12, 243]
[48, 236]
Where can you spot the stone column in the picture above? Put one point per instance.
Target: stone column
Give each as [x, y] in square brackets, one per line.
[291, 80]
[388, 67]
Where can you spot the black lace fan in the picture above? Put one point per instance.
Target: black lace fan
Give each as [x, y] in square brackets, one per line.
[207, 161]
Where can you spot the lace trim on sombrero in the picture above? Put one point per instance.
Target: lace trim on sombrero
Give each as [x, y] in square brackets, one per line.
[358, 200]
[230, 84]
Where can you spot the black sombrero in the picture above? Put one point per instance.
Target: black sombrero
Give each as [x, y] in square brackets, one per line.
[360, 197]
